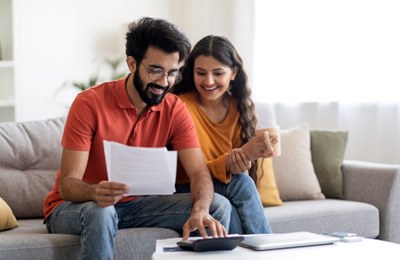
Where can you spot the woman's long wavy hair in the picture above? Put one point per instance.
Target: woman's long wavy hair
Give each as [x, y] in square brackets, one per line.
[223, 50]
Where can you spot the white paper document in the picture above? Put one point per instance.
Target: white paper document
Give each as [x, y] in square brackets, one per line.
[147, 171]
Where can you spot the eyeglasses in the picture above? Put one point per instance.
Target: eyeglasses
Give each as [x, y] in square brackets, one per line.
[158, 73]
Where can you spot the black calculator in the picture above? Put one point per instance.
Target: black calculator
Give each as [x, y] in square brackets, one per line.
[211, 244]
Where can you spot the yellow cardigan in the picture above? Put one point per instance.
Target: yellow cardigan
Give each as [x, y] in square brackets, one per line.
[216, 140]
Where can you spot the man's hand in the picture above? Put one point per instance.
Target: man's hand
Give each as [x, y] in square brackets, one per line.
[199, 220]
[202, 190]
[108, 193]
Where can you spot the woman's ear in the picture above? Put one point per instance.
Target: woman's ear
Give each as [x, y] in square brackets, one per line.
[131, 62]
[234, 72]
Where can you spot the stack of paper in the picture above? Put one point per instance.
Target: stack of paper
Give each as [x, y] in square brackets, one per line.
[147, 171]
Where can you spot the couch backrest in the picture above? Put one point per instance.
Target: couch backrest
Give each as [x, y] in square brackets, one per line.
[30, 155]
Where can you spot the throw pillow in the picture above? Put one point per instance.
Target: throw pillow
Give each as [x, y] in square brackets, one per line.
[327, 150]
[294, 171]
[266, 183]
[7, 218]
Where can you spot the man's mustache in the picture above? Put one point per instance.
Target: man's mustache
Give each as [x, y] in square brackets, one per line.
[153, 85]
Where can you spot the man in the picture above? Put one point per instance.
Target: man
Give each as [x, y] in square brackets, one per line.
[135, 111]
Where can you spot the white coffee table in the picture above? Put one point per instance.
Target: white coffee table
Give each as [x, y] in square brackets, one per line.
[366, 249]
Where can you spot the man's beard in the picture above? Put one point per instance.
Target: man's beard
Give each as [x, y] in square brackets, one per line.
[147, 96]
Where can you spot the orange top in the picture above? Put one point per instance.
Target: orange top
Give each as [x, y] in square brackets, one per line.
[104, 112]
[216, 140]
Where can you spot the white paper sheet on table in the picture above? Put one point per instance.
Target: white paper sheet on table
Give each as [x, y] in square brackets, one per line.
[147, 171]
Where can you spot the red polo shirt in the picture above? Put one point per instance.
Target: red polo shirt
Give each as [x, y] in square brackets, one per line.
[104, 112]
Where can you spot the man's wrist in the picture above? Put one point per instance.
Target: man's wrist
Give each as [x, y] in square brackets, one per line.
[200, 210]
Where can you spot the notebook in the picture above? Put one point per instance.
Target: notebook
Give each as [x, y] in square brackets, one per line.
[286, 240]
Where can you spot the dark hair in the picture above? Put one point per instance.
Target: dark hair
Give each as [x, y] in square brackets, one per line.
[223, 50]
[158, 33]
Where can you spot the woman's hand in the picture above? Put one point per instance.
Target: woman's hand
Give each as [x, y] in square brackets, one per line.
[237, 161]
[260, 146]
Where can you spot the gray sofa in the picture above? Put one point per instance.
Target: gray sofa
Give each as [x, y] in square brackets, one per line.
[30, 157]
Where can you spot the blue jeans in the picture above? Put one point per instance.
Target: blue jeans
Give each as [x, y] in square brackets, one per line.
[247, 216]
[98, 226]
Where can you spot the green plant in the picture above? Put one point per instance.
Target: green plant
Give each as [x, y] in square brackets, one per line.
[114, 64]
[85, 85]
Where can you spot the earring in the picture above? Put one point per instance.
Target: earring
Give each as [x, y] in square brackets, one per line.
[229, 90]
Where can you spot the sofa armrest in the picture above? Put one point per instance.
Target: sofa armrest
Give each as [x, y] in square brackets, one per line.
[377, 184]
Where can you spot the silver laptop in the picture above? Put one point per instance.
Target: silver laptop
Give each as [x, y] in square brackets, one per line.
[286, 240]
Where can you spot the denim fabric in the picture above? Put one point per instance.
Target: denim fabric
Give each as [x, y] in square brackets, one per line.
[247, 216]
[98, 226]
[167, 211]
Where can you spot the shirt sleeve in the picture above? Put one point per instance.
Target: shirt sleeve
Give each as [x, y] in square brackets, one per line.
[184, 134]
[217, 168]
[79, 126]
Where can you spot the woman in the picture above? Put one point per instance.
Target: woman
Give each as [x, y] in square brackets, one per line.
[215, 90]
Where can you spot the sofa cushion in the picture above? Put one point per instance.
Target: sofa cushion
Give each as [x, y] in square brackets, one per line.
[323, 216]
[294, 171]
[7, 218]
[30, 156]
[327, 150]
[266, 183]
[32, 241]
